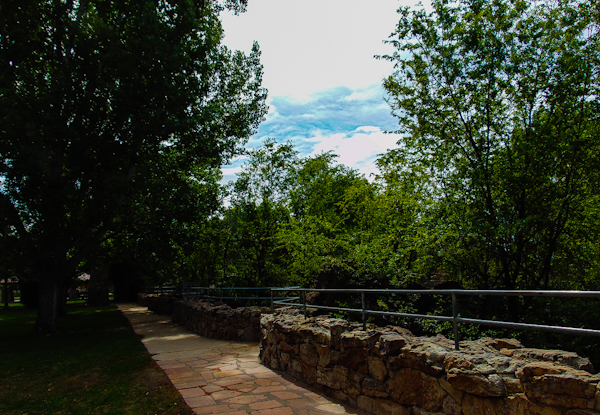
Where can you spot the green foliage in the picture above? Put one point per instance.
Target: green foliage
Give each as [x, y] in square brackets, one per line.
[243, 238]
[325, 207]
[497, 102]
[97, 101]
[494, 184]
[160, 232]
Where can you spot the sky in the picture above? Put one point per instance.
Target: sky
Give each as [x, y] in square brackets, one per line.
[324, 83]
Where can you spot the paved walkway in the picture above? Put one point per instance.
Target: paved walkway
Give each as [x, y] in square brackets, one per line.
[222, 377]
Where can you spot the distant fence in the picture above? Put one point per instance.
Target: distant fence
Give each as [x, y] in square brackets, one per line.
[300, 300]
[197, 291]
[193, 290]
[160, 289]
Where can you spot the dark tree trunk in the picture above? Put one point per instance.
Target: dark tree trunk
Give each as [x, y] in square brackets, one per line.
[47, 307]
[5, 294]
[61, 302]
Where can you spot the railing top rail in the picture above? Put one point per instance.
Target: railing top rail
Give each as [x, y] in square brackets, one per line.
[246, 288]
[528, 293]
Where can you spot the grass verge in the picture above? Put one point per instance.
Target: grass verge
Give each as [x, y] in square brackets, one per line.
[94, 365]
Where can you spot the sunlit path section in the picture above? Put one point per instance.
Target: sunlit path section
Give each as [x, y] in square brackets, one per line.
[222, 377]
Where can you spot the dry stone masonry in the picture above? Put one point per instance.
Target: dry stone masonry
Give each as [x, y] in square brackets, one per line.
[219, 322]
[390, 371]
[159, 304]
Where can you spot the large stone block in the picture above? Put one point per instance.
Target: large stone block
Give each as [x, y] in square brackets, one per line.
[377, 368]
[374, 388]
[520, 404]
[426, 357]
[309, 355]
[354, 359]
[386, 407]
[558, 385]
[391, 344]
[359, 339]
[409, 386]
[381, 406]
[557, 356]
[324, 353]
[332, 378]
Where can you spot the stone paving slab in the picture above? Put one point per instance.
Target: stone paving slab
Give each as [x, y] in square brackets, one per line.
[222, 377]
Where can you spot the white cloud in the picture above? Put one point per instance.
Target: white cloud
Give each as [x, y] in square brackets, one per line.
[358, 149]
[362, 95]
[353, 129]
[324, 84]
[368, 129]
[312, 45]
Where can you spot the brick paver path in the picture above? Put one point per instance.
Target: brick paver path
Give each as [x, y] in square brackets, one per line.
[222, 377]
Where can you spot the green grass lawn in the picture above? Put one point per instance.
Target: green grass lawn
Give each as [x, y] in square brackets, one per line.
[94, 365]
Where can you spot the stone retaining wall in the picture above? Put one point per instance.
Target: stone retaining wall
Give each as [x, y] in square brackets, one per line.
[219, 322]
[157, 303]
[390, 371]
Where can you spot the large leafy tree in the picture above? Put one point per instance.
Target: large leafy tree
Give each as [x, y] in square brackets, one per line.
[498, 106]
[259, 205]
[94, 97]
[326, 202]
[161, 233]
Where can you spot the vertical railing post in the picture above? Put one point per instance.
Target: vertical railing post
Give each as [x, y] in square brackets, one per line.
[364, 315]
[455, 321]
[272, 305]
[221, 294]
[304, 303]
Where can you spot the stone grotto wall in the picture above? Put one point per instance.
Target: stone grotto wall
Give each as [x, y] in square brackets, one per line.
[219, 322]
[390, 371]
[159, 304]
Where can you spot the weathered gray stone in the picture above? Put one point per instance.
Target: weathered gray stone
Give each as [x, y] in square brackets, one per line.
[427, 357]
[359, 339]
[544, 378]
[557, 356]
[512, 384]
[391, 343]
[473, 374]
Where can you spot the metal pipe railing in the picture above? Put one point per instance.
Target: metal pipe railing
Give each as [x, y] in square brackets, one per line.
[455, 318]
[193, 290]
